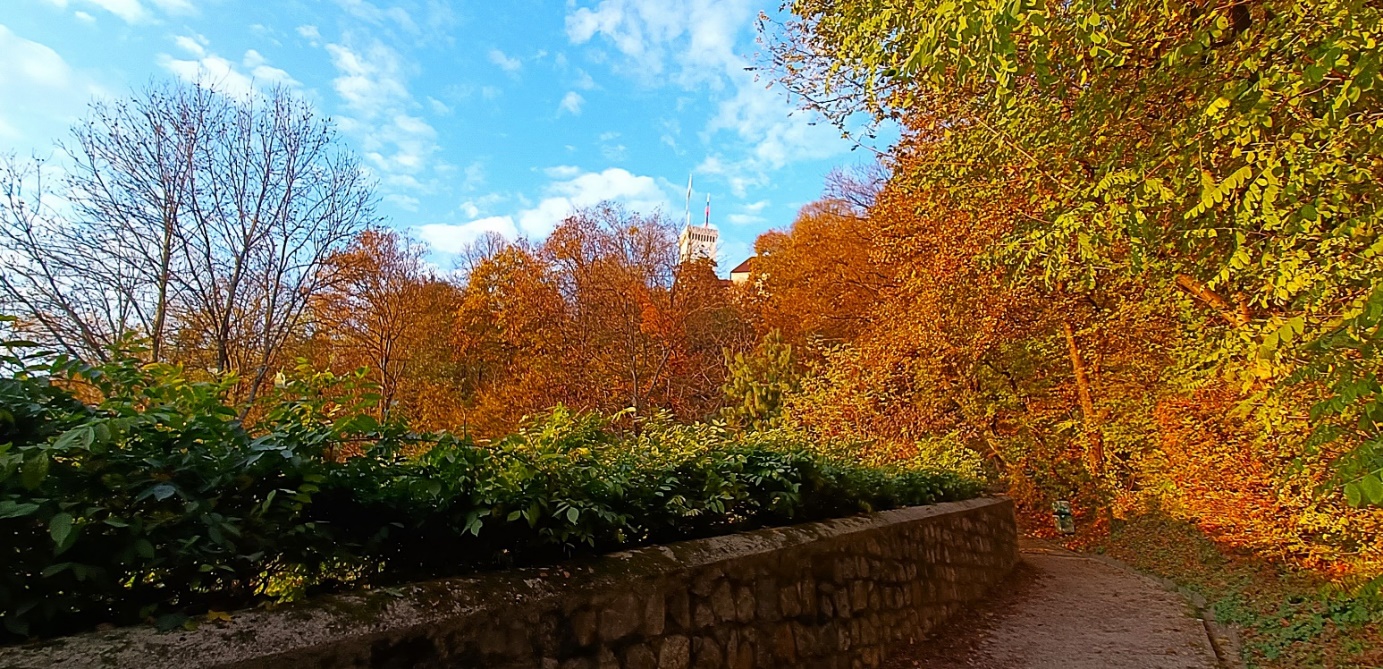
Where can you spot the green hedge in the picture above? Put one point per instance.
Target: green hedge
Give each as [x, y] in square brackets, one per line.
[156, 503]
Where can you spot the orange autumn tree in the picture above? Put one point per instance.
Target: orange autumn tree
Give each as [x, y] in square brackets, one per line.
[709, 321]
[383, 310]
[599, 316]
[818, 278]
[510, 331]
[962, 359]
[926, 371]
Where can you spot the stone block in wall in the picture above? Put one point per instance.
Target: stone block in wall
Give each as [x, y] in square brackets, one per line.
[639, 656]
[674, 652]
[620, 618]
[678, 603]
[706, 653]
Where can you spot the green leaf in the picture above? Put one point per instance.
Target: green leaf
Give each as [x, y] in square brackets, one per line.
[16, 625]
[83, 435]
[60, 527]
[35, 469]
[10, 509]
[473, 525]
[1353, 494]
[55, 569]
[1372, 488]
[573, 514]
[159, 492]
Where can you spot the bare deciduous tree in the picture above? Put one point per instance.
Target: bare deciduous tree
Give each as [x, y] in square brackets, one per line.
[193, 219]
[488, 245]
[857, 187]
[60, 294]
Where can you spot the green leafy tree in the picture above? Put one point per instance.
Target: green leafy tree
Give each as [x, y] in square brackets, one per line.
[759, 382]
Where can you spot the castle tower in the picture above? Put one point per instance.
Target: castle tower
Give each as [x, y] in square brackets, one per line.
[697, 241]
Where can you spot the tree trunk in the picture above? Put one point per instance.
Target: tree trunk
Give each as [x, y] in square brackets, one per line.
[1095, 442]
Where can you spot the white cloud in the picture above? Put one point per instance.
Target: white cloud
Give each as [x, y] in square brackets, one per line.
[373, 85]
[740, 175]
[29, 63]
[571, 103]
[570, 189]
[405, 202]
[560, 198]
[42, 93]
[8, 131]
[438, 107]
[693, 44]
[562, 172]
[614, 152]
[764, 120]
[478, 207]
[130, 11]
[310, 33]
[507, 63]
[448, 238]
[252, 73]
[473, 176]
[370, 80]
[699, 35]
[195, 45]
[368, 12]
[175, 6]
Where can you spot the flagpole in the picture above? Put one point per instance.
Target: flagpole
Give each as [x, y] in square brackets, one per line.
[689, 194]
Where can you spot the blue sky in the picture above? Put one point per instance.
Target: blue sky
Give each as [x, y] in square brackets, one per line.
[473, 116]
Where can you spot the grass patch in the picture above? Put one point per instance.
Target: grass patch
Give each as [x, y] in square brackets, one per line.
[1286, 617]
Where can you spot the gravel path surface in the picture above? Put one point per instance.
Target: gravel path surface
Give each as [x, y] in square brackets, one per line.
[1062, 610]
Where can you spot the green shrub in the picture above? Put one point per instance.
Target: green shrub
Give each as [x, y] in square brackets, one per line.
[155, 501]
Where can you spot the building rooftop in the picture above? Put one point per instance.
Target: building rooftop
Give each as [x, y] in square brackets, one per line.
[745, 267]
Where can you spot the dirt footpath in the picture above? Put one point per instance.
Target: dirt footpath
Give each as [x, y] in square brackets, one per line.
[1062, 610]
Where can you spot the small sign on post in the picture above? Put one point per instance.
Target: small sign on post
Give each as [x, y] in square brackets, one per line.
[1065, 520]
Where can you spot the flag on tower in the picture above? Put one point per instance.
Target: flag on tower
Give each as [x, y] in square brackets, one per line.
[708, 210]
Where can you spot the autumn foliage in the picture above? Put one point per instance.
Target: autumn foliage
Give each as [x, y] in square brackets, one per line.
[1130, 257]
[1124, 254]
[599, 316]
[961, 357]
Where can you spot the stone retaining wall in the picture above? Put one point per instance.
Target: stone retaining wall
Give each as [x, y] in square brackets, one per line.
[837, 593]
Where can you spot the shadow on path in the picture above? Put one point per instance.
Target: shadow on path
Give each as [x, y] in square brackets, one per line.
[1063, 610]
